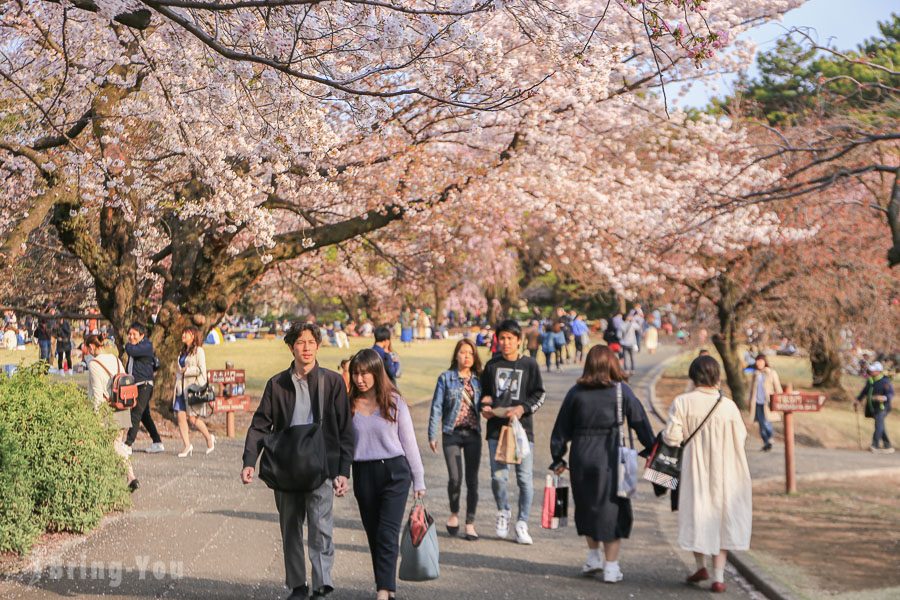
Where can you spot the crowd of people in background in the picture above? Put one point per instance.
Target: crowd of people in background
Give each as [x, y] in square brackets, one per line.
[369, 434]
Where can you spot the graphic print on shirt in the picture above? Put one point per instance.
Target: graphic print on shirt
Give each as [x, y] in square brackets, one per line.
[510, 379]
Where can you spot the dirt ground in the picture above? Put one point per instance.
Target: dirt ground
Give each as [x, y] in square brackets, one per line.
[844, 535]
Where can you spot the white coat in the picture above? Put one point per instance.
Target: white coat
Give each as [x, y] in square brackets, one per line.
[715, 509]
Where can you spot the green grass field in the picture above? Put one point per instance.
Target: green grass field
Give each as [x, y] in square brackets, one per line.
[421, 363]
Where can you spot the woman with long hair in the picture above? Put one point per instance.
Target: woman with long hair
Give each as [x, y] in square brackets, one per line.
[386, 461]
[590, 418]
[191, 370]
[455, 407]
[715, 495]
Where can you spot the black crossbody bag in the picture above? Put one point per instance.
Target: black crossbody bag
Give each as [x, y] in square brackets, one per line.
[664, 463]
[294, 460]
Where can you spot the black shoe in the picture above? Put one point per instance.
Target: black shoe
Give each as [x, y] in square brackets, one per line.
[134, 485]
[322, 591]
[453, 530]
[767, 447]
[471, 538]
[299, 593]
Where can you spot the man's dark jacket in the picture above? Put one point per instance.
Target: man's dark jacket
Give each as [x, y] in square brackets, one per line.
[143, 359]
[277, 407]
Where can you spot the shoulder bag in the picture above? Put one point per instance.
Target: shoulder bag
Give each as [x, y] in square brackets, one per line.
[294, 460]
[664, 463]
[419, 552]
[627, 463]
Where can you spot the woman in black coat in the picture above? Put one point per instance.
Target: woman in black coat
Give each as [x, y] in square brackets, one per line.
[588, 420]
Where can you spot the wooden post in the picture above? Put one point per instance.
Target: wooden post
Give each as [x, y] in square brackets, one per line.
[229, 424]
[790, 482]
[790, 472]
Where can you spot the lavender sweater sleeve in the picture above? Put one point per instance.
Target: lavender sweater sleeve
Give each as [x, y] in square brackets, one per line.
[410, 447]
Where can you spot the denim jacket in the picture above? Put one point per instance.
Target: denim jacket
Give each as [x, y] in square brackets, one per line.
[446, 402]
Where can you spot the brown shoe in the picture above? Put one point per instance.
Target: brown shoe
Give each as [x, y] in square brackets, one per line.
[701, 575]
[717, 587]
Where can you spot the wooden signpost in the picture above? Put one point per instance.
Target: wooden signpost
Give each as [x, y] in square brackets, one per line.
[790, 402]
[230, 395]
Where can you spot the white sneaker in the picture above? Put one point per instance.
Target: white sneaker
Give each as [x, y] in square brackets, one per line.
[522, 536]
[612, 574]
[502, 523]
[593, 564]
[155, 448]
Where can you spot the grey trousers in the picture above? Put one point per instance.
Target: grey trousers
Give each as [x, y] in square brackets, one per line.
[316, 509]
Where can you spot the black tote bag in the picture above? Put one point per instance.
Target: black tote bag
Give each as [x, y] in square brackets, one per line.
[294, 460]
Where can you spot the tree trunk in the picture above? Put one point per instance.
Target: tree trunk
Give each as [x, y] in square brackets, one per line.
[727, 343]
[438, 305]
[825, 359]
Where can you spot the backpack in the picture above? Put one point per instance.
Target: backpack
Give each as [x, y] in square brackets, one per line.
[124, 389]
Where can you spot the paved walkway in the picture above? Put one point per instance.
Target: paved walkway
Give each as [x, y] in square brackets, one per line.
[196, 532]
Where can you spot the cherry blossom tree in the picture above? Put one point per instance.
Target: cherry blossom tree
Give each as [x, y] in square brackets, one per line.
[182, 149]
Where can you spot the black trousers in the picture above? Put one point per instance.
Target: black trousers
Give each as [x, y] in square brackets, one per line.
[458, 445]
[63, 353]
[141, 414]
[381, 488]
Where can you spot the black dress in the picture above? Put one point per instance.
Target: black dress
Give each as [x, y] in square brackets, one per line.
[587, 419]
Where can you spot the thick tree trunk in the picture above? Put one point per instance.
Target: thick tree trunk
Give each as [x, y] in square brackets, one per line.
[825, 360]
[727, 343]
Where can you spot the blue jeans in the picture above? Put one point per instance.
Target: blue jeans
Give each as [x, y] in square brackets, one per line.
[524, 477]
[765, 428]
[44, 346]
[880, 432]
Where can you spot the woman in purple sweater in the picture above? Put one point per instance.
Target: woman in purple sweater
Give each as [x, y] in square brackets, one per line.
[385, 462]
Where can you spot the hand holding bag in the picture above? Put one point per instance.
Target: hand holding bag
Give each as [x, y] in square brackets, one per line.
[506, 447]
[523, 447]
[419, 552]
[664, 463]
[294, 460]
[627, 463]
[548, 510]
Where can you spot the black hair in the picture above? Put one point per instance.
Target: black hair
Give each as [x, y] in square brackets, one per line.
[139, 328]
[297, 328]
[704, 371]
[763, 358]
[509, 326]
[382, 333]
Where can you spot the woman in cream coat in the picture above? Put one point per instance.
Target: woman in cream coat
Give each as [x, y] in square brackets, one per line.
[191, 370]
[715, 511]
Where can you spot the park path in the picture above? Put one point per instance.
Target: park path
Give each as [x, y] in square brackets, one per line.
[196, 532]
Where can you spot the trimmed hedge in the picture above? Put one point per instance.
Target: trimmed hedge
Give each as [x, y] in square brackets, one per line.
[58, 469]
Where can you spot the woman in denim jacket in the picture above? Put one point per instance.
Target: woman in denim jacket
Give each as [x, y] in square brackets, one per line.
[455, 409]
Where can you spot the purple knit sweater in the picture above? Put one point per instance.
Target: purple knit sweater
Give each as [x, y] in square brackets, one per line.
[378, 439]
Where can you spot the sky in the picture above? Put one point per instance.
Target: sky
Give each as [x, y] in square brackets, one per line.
[843, 23]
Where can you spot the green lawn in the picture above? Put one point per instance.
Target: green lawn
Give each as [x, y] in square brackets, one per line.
[835, 426]
[795, 370]
[421, 363]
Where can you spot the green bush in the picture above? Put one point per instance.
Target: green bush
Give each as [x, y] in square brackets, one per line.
[58, 469]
